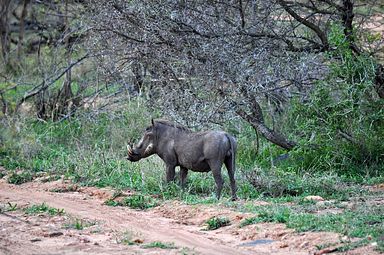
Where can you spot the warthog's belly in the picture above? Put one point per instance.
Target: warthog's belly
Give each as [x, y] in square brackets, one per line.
[197, 166]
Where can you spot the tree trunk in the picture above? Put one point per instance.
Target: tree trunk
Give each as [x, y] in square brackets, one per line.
[347, 16]
[4, 108]
[4, 30]
[379, 80]
[138, 81]
[65, 95]
[257, 122]
[22, 29]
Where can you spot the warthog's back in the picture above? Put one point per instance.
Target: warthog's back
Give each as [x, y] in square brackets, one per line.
[193, 150]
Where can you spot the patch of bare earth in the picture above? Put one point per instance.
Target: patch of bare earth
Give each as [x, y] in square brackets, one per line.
[107, 230]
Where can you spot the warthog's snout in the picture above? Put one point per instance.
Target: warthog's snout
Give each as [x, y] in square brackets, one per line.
[132, 155]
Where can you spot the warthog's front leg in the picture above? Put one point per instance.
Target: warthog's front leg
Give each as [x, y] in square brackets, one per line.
[183, 176]
[170, 174]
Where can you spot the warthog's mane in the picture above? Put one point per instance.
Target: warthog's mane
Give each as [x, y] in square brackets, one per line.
[172, 124]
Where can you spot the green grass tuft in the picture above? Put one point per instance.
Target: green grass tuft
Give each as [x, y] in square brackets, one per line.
[19, 178]
[79, 224]
[12, 207]
[43, 208]
[160, 245]
[217, 222]
[136, 201]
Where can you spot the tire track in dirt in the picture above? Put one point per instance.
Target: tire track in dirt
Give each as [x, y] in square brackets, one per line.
[151, 227]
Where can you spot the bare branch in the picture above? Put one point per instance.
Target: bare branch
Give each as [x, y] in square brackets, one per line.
[44, 84]
[307, 23]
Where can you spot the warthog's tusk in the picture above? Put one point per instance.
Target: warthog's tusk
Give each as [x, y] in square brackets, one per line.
[129, 150]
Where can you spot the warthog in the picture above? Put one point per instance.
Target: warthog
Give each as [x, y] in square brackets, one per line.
[197, 151]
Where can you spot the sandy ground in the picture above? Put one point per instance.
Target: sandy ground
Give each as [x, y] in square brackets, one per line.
[106, 227]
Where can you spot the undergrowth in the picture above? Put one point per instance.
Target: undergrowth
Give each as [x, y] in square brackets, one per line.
[361, 221]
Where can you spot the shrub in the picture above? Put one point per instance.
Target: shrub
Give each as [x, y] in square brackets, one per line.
[217, 222]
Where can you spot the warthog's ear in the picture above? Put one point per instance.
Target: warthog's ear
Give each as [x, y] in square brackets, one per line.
[153, 122]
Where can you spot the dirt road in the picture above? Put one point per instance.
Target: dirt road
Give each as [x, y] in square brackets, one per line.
[107, 229]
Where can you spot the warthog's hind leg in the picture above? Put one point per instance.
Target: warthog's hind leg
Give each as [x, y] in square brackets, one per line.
[216, 171]
[229, 164]
[170, 175]
[183, 176]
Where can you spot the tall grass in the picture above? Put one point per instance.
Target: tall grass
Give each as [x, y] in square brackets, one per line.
[92, 151]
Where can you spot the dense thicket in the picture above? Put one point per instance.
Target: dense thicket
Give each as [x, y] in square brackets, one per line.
[206, 60]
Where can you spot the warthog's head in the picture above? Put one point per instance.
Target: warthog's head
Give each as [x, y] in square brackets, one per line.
[145, 147]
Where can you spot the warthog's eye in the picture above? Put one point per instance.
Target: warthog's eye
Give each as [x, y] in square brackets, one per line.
[148, 135]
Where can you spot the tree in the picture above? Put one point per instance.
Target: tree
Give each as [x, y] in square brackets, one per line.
[38, 39]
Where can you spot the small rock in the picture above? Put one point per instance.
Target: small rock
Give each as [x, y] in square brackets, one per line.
[313, 198]
[325, 251]
[41, 174]
[96, 243]
[345, 204]
[257, 242]
[43, 179]
[283, 245]
[374, 244]
[322, 203]
[344, 238]
[138, 240]
[35, 240]
[304, 244]
[239, 217]
[54, 234]
[84, 240]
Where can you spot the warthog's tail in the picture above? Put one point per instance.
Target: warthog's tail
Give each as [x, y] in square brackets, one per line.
[231, 166]
[233, 150]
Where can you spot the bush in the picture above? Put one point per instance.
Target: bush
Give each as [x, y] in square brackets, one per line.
[340, 125]
[19, 177]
